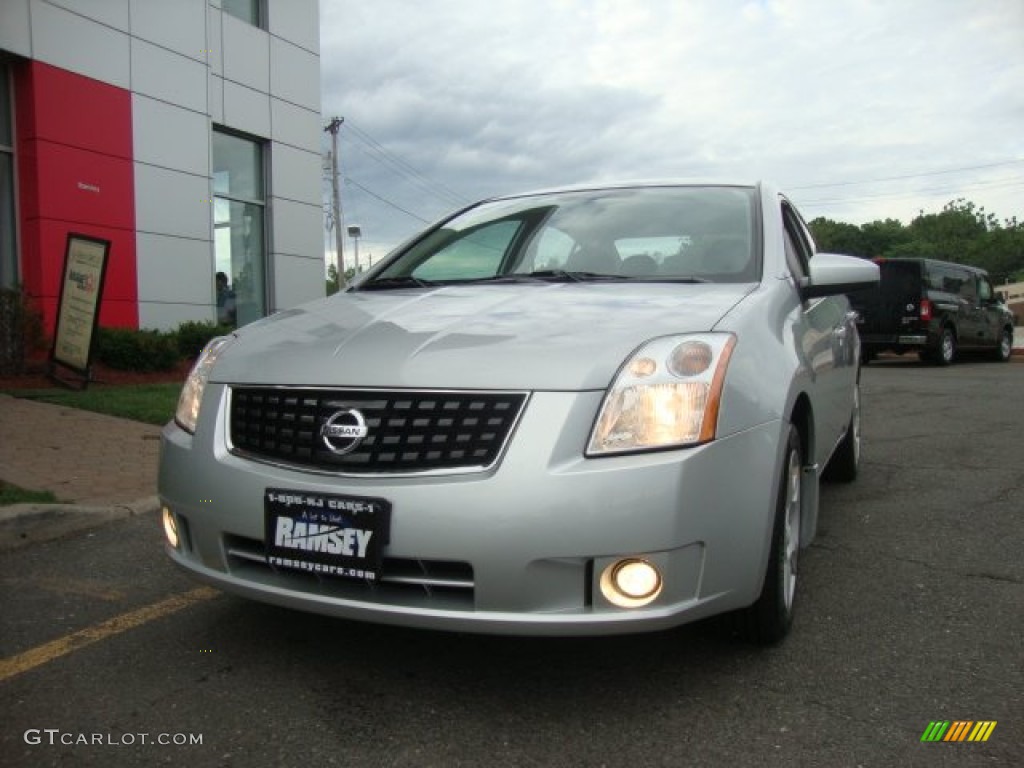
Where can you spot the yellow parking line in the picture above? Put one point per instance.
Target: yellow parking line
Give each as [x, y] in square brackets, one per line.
[62, 646]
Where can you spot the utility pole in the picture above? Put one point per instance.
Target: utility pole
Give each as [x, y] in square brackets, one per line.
[332, 128]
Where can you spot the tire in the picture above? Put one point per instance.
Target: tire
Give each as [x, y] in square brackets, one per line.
[945, 354]
[1004, 350]
[768, 620]
[845, 462]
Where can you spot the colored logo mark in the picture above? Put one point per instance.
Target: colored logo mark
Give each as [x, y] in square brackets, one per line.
[958, 730]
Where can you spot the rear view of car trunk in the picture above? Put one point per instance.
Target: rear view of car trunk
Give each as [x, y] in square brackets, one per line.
[891, 315]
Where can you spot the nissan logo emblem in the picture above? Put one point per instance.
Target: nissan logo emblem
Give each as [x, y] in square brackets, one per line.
[344, 431]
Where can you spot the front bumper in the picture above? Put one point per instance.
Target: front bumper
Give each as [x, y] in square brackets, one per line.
[515, 550]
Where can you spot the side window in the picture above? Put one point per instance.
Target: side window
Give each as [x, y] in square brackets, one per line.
[949, 280]
[985, 292]
[475, 255]
[799, 246]
[968, 289]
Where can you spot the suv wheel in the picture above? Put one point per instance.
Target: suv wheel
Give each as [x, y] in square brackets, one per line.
[1005, 346]
[946, 352]
[769, 619]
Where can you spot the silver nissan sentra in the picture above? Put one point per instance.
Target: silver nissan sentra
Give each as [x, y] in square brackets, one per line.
[585, 411]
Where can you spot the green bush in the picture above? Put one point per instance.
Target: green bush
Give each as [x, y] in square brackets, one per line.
[193, 336]
[21, 330]
[127, 349]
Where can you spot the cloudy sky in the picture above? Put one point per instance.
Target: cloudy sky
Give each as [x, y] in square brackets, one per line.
[859, 109]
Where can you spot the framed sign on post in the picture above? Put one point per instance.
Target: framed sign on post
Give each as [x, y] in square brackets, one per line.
[78, 310]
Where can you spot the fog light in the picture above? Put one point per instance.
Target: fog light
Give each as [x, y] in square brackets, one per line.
[170, 528]
[630, 583]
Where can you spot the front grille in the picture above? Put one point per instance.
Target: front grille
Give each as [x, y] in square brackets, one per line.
[406, 431]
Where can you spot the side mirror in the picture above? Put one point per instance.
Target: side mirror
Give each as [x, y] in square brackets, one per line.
[832, 274]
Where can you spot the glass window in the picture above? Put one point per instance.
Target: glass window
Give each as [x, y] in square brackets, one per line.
[476, 255]
[798, 246]
[8, 251]
[239, 229]
[968, 288]
[985, 292]
[246, 10]
[651, 233]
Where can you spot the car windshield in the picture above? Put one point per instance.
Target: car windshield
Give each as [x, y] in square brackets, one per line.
[665, 234]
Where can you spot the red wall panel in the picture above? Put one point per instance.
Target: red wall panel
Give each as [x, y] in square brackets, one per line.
[84, 187]
[66, 108]
[74, 143]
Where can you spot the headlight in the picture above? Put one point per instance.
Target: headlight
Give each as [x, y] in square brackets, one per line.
[192, 393]
[666, 395]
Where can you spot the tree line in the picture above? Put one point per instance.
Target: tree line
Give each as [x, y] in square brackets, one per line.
[962, 232]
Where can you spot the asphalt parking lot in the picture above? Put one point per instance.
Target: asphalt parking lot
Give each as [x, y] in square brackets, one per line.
[911, 611]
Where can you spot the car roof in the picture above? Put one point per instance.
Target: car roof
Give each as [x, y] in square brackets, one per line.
[929, 261]
[598, 186]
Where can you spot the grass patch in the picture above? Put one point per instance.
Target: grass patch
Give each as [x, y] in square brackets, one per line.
[149, 403]
[12, 494]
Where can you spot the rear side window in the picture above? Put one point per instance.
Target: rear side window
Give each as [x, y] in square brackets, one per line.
[949, 279]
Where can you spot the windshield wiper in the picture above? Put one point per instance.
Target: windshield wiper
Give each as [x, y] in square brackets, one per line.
[386, 283]
[571, 276]
[671, 278]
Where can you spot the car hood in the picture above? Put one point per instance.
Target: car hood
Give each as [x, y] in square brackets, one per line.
[515, 337]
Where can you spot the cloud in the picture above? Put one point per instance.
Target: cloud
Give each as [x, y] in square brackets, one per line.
[488, 98]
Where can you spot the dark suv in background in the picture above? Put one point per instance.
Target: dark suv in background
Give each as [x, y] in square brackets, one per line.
[933, 307]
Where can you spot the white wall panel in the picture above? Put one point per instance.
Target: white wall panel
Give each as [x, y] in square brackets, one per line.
[294, 74]
[174, 269]
[170, 136]
[295, 174]
[298, 228]
[297, 126]
[179, 25]
[215, 48]
[297, 21]
[113, 13]
[172, 203]
[168, 76]
[79, 45]
[297, 280]
[246, 53]
[166, 317]
[216, 96]
[14, 27]
[246, 110]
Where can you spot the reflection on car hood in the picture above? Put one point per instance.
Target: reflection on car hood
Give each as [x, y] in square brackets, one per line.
[520, 337]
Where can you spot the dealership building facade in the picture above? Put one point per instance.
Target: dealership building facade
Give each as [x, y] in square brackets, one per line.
[185, 133]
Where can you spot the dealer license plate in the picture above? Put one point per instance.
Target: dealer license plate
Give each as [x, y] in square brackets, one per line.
[325, 533]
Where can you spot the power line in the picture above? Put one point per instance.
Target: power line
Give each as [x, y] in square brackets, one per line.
[384, 200]
[912, 175]
[398, 165]
[405, 167]
[996, 184]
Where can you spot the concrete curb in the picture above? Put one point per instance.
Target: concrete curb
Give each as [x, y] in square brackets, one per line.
[25, 524]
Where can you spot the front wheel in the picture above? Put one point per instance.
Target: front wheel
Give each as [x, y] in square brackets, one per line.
[1005, 347]
[769, 619]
